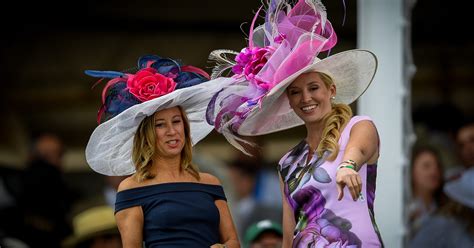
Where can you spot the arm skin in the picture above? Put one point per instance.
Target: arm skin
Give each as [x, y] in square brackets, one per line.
[362, 148]
[130, 221]
[289, 223]
[227, 231]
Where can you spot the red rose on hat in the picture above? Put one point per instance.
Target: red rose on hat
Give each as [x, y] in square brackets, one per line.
[148, 84]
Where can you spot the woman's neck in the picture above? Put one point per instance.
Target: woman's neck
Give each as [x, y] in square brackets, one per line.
[425, 196]
[314, 132]
[168, 166]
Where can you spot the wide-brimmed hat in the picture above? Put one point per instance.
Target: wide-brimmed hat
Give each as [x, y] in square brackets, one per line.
[128, 98]
[462, 189]
[288, 44]
[351, 71]
[91, 223]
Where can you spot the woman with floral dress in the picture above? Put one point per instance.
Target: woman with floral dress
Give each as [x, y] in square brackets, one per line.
[328, 179]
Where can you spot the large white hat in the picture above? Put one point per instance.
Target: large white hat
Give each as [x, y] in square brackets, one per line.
[352, 72]
[129, 98]
[285, 46]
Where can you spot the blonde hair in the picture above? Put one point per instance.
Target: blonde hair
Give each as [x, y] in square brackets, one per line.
[144, 149]
[334, 121]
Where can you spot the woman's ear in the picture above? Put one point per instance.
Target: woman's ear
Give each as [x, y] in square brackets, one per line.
[333, 90]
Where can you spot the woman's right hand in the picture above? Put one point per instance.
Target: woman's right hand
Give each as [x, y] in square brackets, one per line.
[350, 178]
[361, 148]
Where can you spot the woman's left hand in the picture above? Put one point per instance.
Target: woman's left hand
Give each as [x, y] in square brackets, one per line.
[350, 178]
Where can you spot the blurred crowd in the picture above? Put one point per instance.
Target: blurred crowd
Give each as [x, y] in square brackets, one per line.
[441, 207]
[40, 208]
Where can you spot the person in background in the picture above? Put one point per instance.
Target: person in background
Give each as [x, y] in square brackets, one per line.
[242, 175]
[45, 199]
[264, 234]
[249, 207]
[111, 187]
[94, 228]
[453, 225]
[464, 140]
[11, 226]
[426, 185]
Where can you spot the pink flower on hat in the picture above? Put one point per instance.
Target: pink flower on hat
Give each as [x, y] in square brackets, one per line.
[148, 84]
[250, 61]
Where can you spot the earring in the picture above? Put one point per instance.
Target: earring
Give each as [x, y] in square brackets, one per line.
[333, 97]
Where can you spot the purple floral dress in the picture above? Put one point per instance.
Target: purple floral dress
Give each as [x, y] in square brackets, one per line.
[322, 220]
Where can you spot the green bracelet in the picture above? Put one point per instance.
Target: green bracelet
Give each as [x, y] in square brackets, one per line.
[350, 161]
[345, 166]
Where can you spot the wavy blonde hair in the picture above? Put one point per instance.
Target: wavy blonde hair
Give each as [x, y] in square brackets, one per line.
[144, 149]
[334, 122]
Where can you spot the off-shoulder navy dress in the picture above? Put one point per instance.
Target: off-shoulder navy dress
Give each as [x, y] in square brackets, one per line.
[176, 214]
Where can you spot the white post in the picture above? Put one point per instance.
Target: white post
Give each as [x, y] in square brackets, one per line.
[382, 28]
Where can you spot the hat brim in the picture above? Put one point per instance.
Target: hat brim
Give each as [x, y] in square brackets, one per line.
[352, 72]
[109, 150]
[461, 189]
[74, 240]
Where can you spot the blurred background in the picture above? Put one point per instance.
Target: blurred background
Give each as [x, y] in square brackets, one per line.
[46, 46]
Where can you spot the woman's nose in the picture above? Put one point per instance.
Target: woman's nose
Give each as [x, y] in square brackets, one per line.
[171, 130]
[305, 96]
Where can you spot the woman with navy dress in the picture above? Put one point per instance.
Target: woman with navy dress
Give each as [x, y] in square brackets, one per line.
[149, 122]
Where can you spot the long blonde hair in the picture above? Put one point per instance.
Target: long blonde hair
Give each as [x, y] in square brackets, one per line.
[334, 121]
[144, 149]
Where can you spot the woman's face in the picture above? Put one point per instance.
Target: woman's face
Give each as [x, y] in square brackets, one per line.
[309, 97]
[465, 140]
[426, 174]
[170, 136]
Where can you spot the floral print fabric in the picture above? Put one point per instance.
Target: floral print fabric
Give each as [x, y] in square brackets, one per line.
[310, 189]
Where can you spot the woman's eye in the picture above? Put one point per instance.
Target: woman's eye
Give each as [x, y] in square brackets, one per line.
[177, 121]
[313, 88]
[294, 92]
[159, 125]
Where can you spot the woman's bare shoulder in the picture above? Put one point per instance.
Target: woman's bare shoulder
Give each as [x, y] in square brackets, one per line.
[207, 178]
[128, 183]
